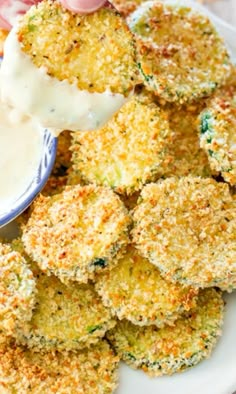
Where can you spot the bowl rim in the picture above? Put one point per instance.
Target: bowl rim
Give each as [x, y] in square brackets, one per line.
[15, 212]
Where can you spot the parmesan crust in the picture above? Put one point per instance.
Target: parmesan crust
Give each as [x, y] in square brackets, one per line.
[128, 151]
[92, 371]
[172, 349]
[218, 130]
[95, 51]
[77, 233]
[134, 290]
[181, 56]
[187, 228]
[17, 290]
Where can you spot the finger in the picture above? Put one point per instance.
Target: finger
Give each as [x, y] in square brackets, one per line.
[83, 6]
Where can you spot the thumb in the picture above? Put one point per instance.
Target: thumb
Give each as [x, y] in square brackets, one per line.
[83, 6]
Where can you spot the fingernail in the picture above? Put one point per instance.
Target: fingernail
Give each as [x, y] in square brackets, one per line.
[83, 6]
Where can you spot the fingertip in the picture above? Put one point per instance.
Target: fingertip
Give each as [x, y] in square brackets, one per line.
[83, 6]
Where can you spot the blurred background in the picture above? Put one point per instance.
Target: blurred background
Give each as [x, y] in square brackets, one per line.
[226, 9]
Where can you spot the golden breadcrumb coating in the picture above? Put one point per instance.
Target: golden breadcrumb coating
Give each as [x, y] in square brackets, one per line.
[134, 290]
[91, 371]
[17, 290]
[185, 157]
[96, 51]
[127, 152]
[218, 130]
[65, 317]
[187, 228]
[77, 233]
[181, 56]
[172, 349]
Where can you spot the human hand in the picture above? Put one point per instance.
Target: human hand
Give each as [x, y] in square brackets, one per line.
[10, 9]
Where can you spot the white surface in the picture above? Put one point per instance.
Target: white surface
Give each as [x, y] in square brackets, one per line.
[214, 376]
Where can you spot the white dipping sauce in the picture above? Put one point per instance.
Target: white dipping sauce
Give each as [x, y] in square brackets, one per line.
[57, 105]
[21, 144]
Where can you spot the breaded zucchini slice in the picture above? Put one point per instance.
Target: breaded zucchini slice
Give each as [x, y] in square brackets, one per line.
[77, 233]
[134, 290]
[95, 51]
[169, 350]
[187, 228]
[90, 371]
[65, 317]
[127, 152]
[181, 56]
[17, 290]
[218, 131]
[63, 157]
[185, 156]
[3, 36]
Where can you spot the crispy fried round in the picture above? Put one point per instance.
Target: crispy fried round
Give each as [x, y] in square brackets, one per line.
[172, 349]
[181, 56]
[134, 290]
[78, 232]
[17, 290]
[63, 157]
[91, 371]
[128, 151]
[3, 36]
[187, 228]
[95, 51]
[185, 157]
[218, 130]
[65, 317]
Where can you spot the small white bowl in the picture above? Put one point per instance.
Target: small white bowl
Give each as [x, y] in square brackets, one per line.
[36, 184]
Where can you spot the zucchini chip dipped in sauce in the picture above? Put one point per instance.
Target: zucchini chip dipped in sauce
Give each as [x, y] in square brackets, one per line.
[67, 70]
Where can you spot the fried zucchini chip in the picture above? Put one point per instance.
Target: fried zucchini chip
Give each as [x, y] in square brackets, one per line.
[185, 157]
[128, 151]
[95, 50]
[218, 130]
[134, 290]
[181, 56]
[187, 228]
[77, 233]
[65, 317]
[90, 371]
[172, 349]
[17, 290]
